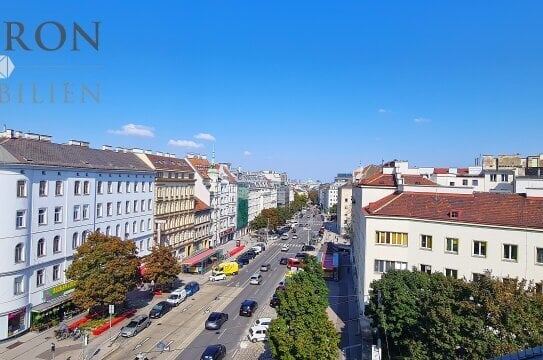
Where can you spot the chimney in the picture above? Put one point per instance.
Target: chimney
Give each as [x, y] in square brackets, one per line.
[136, 151]
[73, 142]
[148, 152]
[107, 147]
[31, 136]
[45, 138]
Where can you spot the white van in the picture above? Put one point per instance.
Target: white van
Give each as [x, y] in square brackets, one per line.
[257, 249]
[177, 297]
[258, 333]
[256, 279]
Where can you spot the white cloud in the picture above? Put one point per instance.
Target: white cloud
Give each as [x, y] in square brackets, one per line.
[134, 130]
[382, 111]
[247, 153]
[421, 120]
[185, 143]
[204, 136]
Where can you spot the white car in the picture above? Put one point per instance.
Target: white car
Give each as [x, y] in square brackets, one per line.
[258, 333]
[285, 248]
[294, 236]
[263, 322]
[217, 277]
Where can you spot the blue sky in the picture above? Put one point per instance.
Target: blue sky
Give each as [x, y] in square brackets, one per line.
[308, 87]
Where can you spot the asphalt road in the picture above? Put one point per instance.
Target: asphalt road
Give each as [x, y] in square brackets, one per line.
[236, 329]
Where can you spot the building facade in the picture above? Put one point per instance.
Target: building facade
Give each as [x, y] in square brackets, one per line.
[344, 206]
[202, 225]
[54, 196]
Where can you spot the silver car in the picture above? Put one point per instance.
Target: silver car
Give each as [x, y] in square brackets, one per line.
[137, 324]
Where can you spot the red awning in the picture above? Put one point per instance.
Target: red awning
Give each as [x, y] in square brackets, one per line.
[196, 259]
[236, 250]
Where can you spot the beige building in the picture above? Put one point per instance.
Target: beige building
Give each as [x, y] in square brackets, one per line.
[174, 203]
[344, 205]
[202, 225]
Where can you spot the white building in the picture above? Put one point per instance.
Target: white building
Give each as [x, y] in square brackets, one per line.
[262, 194]
[224, 200]
[344, 205]
[53, 196]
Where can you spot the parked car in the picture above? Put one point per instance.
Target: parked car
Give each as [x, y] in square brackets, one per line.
[257, 249]
[192, 288]
[228, 268]
[256, 279]
[265, 267]
[285, 248]
[263, 322]
[214, 352]
[160, 309]
[262, 245]
[137, 324]
[308, 248]
[294, 231]
[250, 254]
[258, 333]
[294, 236]
[177, 297]
[284, 237]
[248, 307]
[215, 320]
[301, 255]
[283, 261]
[243, 260]
[218, 276]
[274, 302]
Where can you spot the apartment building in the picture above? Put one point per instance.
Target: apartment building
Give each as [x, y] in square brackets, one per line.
[344, 208]
[202, 225]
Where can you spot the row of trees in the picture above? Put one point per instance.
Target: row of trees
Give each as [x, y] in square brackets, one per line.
[106, 268]
[302, 329]
[431, 316]
[278, 216]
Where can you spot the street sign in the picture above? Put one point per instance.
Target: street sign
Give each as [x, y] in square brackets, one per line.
[111, 309]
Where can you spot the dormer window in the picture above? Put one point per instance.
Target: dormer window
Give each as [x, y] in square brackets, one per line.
[454, 214]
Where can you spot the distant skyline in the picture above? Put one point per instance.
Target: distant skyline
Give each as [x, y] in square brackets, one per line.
[311, 88]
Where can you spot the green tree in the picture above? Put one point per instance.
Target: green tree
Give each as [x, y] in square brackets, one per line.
[333, 209]
[302, 329]
[105, 269]
[314, 196]
[161, 266]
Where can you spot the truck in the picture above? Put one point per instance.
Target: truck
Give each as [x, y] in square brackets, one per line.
[228, 268]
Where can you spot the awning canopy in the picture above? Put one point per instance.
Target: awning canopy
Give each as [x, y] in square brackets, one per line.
[196, 259]
[51, 303]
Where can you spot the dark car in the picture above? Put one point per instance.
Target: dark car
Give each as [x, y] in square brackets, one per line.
[248, 307]
[283, 261]
[250, 253]
[308, 248]
[160, 309]
[301, 255]
[214, 352]
[294, 231]
[192, 287]
[243, 260]
[274, 302]
[215, 320]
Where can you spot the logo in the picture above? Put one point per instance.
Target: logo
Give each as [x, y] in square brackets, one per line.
[6, 66]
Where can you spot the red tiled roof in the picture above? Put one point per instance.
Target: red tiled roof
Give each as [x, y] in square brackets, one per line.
[479, 208]
[201, 166]
[379, 180]
[199, 205]
[459, 171]
[231, 178]
[417, 180]
[168, 163]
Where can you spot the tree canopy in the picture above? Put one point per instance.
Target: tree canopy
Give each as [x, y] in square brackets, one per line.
[161, 266]
[105, 269]
[277, 217]
[302, 329]
[434, 316]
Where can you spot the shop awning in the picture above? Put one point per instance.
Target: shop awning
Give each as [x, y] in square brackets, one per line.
[236, 250]
[196, 259]
[51, 303]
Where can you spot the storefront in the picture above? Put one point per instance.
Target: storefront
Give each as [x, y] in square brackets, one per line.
[17, 321]
[202, 262]
[56, 307]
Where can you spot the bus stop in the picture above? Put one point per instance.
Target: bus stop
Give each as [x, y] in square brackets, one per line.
[202, 262]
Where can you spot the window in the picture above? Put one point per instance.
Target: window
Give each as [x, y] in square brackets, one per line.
[86, 187]
[109, 209]
[59, 191]
[390, 238]
[127, 187]
[478, 277]
[149, 225]
[40, 278]
[21, 188]
[141, 245]
[510, 252]
[381, 266]
[19, 253]
[142, 207]
[479, 248]
[539, 255]
[426, 242]
[126, 229]
[58, 214]
[43, 188]
[425, 268]
[18, 285]
[119, 208]
[42, 216]
[493, 177]
[134, 227]
[135, 186]
[56, 244]
[56, 272]
[451, 273]
[85, 212]
[474, 182]
[77, 188]
[77, 214]
[84, 235]
[100, 187]
[75, 240]
[142, 226]
[135, 205]
[20, 219]
[451, 183]
[40, 250]
[99, 210]
[108, 231]
[451, 245]
[150, 204]
[118, 230]
[109, 187]
[127, 206]
[465, 182]
[119, 187]
[505, 177]
[143, 186]
[150, 186]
